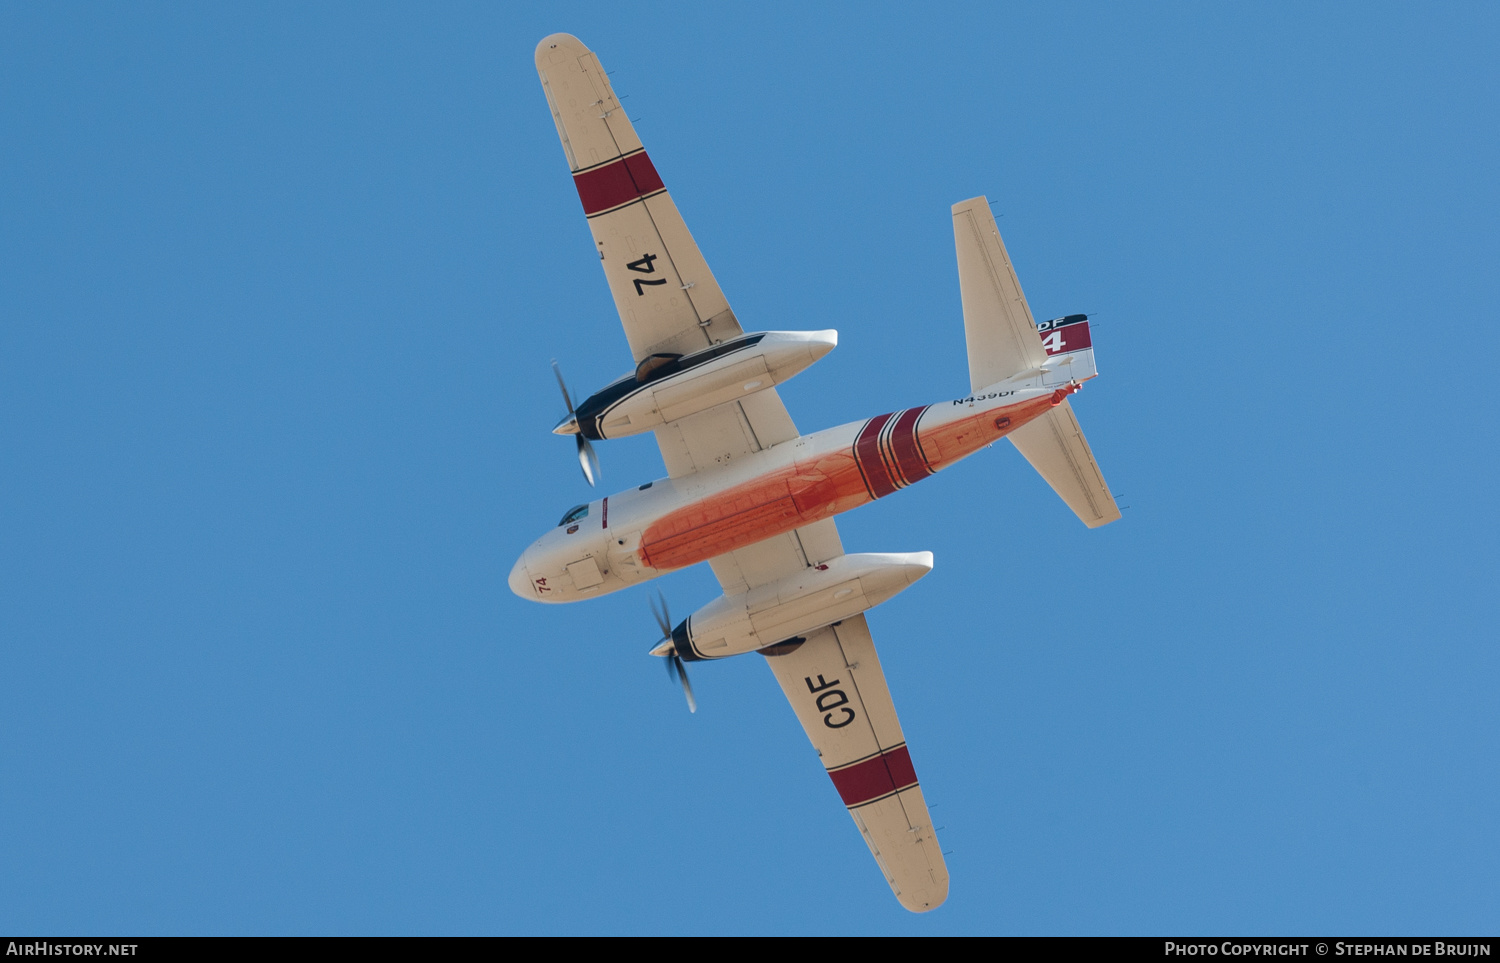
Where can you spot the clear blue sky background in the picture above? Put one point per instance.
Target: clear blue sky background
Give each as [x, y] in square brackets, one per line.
[280, 286]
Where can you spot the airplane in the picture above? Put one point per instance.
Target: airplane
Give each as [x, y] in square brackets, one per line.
[753, 497]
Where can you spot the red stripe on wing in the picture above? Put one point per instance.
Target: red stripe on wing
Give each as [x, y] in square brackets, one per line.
[643, 172]
[867, 456]
[872, 778]
[618, 182]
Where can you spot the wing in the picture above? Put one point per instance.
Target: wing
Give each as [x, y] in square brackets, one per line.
[668, 299]
[835, 685]
[669, 302]
[768, 560]
[998, 326]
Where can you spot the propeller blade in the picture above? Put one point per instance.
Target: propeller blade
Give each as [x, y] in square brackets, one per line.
[587, 460]
[566, 400]
[687, 688]
[676, 668]
[663, 617]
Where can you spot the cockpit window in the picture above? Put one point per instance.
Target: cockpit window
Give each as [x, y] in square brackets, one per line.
[574, 514]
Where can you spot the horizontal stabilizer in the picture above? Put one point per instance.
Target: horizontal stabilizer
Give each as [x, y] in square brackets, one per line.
[998, 326]
[1056, 448]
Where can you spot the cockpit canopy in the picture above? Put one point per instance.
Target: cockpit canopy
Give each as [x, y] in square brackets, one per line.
[574, 514]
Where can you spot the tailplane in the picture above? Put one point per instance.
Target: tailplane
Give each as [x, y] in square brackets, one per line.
[1056, 448]
[1006, 344]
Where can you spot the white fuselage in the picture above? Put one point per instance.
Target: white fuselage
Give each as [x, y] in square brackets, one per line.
[635, 535]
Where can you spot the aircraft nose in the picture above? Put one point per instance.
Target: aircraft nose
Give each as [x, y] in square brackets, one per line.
[520, 579]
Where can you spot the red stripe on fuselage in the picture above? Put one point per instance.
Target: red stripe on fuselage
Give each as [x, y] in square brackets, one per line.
[870, 779]
[867, 456]
[909, 460]
[616, 183]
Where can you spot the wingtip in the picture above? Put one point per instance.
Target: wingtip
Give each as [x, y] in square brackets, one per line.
[927, 898]
[564, 42]
[922, 902]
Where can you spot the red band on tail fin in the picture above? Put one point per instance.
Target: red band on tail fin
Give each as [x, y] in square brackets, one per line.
[1063, 335]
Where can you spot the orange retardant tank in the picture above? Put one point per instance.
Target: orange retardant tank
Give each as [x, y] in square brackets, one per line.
[887, 453]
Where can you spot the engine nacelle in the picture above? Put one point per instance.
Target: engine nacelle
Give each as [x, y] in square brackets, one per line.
[666, 387]
[796, 605]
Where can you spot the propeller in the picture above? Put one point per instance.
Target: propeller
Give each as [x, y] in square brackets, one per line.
[587, 460]
[676, 670]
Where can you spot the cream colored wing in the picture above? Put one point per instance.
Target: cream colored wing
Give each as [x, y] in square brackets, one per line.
[669, 302]
[834, 683]
[998, 326]
[767, 561]
[667, 297]
[714, 438]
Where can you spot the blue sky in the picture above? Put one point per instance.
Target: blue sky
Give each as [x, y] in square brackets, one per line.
[280, 286]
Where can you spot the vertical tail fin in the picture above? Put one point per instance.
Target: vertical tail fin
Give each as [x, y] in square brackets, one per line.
[999, 329]
[1054, 443]
[1070, 350]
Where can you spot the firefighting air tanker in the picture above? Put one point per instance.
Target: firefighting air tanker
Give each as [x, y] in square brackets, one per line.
[754, 498]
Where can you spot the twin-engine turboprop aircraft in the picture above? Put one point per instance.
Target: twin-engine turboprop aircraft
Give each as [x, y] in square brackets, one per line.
[755, 499]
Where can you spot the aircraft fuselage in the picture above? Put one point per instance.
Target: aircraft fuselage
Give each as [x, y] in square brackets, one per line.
[635, 535]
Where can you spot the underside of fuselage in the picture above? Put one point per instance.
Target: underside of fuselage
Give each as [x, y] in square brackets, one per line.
[636, 535]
